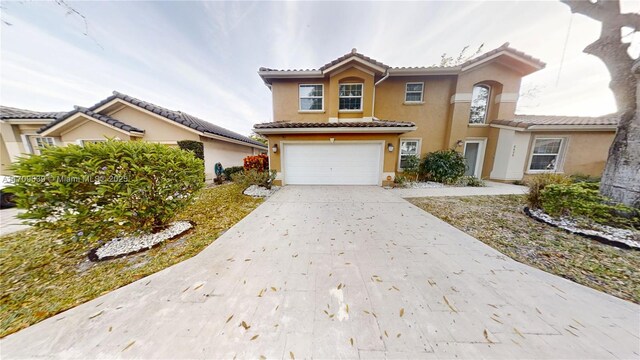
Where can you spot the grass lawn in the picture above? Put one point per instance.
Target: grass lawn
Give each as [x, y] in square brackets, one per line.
[499, 222]
[43, 275]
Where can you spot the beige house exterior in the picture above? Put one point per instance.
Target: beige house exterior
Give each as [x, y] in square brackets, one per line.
[353, 120]
[124, 118]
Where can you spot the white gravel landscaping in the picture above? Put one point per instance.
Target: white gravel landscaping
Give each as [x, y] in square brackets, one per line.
[608, 233]
[131, 244]
[423, 185]
[260, 191]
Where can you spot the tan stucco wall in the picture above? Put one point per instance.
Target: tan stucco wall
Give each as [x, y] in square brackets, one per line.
[227, 154]
[390, 158]
[286, 101]
[430, 116]
[5, 159]
[156, 129]
[585, 152]
[91, 130]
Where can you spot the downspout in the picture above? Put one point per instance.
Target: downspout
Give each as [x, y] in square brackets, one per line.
[373, 104]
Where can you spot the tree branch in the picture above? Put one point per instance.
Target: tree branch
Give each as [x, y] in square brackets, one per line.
[605, 11]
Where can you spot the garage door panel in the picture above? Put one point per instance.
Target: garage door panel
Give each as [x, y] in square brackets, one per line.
[332, 164]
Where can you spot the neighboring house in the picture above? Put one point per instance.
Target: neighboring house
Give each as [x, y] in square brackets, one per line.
[355, 120]
[124, 118]
[19, 133]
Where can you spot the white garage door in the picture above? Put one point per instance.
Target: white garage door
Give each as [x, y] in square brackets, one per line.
[332, 164]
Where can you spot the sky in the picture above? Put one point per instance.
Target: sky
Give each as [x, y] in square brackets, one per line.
[202, 57]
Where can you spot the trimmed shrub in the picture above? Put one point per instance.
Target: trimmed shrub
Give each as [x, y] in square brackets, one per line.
[228, 172]
[537, 183]
[471, 181]
[258, 162]
[444, 166]
[106, 189]
[255, 177]
[196, 147]
[583, 199]
[584, 178]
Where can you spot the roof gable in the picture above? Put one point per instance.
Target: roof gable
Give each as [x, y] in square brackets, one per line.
[100, 118]
[179, 117]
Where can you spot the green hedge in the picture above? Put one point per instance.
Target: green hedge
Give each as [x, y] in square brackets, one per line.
[228, 172]
[194, 146]
[106, 189]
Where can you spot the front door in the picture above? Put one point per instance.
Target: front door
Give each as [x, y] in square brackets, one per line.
[473, 155]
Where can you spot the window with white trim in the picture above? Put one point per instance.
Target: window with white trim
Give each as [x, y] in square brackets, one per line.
[546, 154]
[350, 97]
[479, 104]
[413, 92]
[408, 148]
[311, 97]
[44, 141]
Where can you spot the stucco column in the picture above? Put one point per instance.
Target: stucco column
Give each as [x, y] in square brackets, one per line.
[457, 129]
[12, 141]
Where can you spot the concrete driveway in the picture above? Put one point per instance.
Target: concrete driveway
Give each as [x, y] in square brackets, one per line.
[341, 272]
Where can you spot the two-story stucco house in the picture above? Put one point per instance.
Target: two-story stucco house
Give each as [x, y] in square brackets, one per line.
[355, 119]
[122, 117]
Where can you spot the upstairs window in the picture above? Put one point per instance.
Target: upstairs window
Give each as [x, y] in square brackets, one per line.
[546, 154]
[479, 104]
[311, 97]
[413, 92]
[350, 97]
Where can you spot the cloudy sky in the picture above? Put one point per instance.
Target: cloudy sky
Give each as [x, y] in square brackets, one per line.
[202, 57]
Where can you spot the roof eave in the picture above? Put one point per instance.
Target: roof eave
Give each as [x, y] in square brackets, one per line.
[426, 71]
[311, 130]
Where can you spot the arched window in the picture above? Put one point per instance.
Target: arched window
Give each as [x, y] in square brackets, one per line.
[479, 104]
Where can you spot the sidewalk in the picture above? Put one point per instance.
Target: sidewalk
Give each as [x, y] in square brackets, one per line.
[492, 188]
[9, 222]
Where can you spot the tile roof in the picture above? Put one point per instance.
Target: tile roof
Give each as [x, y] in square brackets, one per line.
[359, 124]
[505, 47]
[178, 117]
[12, 113]
[103, 118]
[526, 121]
[353, 53]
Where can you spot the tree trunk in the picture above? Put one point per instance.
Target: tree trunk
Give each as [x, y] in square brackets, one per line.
[621, 176]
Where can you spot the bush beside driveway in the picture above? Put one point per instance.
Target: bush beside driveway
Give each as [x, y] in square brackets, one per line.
[43, 275]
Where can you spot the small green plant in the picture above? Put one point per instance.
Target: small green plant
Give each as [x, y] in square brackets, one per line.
[255, 177]
[411, 167]
[196, 147]
[583, 199]
[400, 180]
[106, 189]
[471, 181]
[228, 172]
[537, 183]
[444, 166]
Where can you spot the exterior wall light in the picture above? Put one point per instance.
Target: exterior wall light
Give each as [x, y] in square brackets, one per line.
[390, 147]
[459, 143]
[274, 148]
